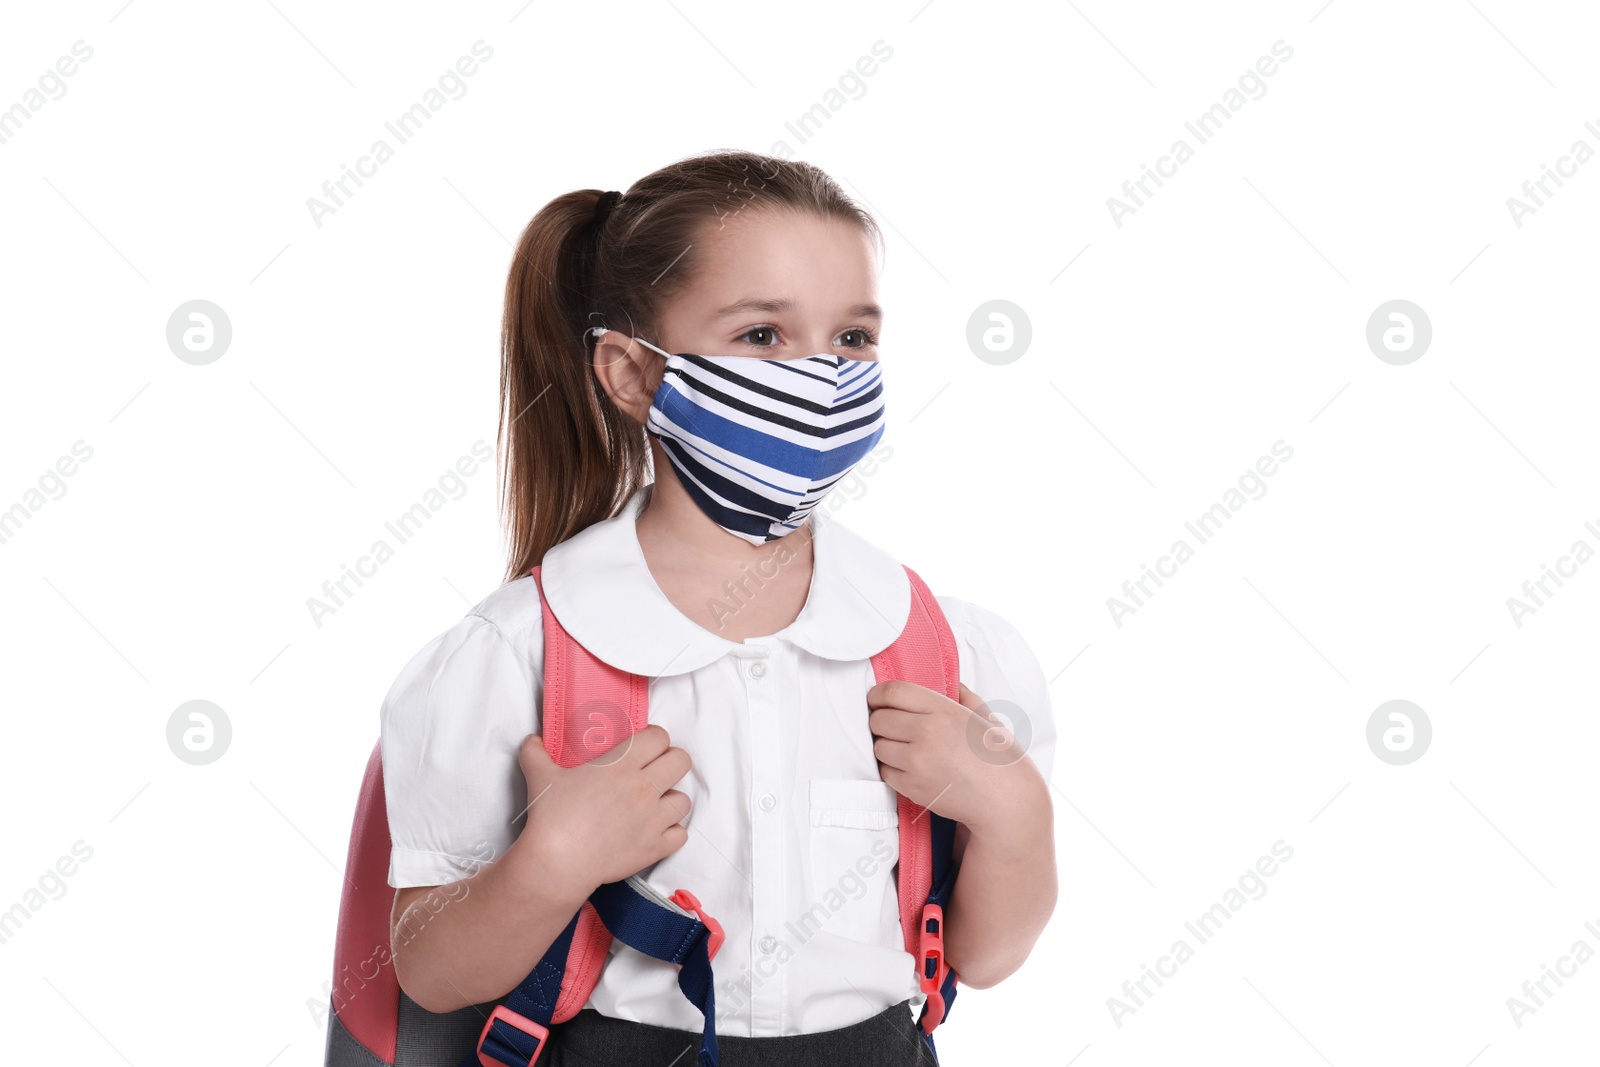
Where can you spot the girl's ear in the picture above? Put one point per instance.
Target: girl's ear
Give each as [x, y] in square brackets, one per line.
[628, 372]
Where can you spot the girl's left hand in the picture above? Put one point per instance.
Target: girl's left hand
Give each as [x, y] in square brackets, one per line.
[955, 759]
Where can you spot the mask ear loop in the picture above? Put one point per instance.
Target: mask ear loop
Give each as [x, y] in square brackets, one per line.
[596, 332]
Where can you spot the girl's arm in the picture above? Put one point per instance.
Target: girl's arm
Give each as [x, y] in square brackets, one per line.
[473, 941]
[1005, 889]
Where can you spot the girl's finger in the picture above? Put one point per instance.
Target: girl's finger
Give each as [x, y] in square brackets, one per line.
[891, 753]
[668, 769]
[893, 723]
[898, 693]
[675, 803]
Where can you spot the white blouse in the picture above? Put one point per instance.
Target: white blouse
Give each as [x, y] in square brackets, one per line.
[792, 833]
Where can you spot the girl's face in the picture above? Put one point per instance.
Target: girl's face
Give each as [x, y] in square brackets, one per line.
[772, 284]
[778, 285]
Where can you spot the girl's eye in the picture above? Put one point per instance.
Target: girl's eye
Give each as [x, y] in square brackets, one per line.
[865, 338]
[761, 331]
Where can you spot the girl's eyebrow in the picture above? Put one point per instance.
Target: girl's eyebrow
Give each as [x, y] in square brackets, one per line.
[781, 304]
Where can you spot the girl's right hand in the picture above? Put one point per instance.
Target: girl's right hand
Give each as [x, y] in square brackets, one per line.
[606, 819]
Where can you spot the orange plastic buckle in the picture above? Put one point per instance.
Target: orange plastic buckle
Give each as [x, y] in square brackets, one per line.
[516, 1021]
[932, 968]
[931, 948]
[689, 902]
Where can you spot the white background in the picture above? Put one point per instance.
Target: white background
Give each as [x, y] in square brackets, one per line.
[1228, 313]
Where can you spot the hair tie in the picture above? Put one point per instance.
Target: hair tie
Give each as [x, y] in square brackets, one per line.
[603, 206]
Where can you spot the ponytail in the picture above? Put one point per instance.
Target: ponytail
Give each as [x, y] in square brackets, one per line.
[572, 457]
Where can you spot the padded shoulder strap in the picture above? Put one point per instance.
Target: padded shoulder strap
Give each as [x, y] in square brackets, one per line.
[924, 653]
[589, 705]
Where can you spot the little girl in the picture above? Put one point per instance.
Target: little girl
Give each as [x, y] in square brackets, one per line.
[716, 326]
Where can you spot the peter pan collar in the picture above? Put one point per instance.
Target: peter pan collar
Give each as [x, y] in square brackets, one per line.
[600, 588]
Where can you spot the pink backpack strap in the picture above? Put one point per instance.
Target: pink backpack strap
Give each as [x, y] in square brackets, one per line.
[924, 653]
[588, 706]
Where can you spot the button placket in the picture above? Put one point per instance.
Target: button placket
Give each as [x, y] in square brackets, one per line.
[768, 840]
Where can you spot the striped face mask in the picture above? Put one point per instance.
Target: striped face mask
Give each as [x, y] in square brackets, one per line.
[758, 442]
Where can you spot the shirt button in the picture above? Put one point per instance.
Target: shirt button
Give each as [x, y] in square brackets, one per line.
[768, 945]
[758, 670]
[768, 801]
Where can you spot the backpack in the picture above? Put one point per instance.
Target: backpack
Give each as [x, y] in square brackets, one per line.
[372, 1023]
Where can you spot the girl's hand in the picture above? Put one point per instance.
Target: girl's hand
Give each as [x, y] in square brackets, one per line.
[606, 819]
[955, 759]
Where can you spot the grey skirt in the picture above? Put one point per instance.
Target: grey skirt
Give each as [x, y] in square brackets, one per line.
[889, 1039]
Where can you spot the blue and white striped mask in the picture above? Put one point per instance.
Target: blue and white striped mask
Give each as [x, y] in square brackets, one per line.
[758, 442]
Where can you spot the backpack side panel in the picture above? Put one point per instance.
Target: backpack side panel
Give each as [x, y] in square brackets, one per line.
[343, 1050]
[366, 993]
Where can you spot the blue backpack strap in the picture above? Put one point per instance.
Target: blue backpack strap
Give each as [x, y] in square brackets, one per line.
[674, 929]
[516, 1031]
[639, 917]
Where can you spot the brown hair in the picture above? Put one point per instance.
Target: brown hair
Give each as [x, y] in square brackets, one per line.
[571, 456]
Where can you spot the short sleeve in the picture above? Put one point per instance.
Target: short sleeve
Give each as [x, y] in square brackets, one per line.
[998, 665]
[452, 724]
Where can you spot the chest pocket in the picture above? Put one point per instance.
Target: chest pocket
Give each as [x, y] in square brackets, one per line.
[855, 843]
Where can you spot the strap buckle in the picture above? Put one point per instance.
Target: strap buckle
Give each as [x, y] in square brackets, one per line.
[931, 966]
[519, 1023]
[930, 947]
[689, 902]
